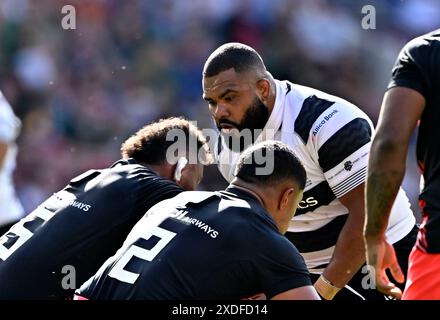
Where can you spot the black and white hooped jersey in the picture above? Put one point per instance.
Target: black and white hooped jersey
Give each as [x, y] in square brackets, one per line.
[332, 138]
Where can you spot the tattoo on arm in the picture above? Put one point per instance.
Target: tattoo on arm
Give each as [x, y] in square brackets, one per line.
[382, 189]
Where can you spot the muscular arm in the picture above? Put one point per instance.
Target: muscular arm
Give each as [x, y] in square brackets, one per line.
[349, 252]
[385, 173]
[401, 109]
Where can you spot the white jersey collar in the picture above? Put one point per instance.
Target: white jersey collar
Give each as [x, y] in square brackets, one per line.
[276, 117]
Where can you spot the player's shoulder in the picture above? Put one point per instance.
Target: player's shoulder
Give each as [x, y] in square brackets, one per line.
[130, 166]
[431, 38]
[421, 47]
[245, 214]
[318, 109]
[184, 199]
[194, 198]
[122, 177]
[316, 99]
[133, 172]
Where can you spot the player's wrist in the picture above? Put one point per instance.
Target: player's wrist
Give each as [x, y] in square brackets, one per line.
[374, 233]
[325, 288]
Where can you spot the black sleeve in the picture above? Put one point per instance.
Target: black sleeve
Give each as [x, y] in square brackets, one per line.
[412, 68]
[282, 268]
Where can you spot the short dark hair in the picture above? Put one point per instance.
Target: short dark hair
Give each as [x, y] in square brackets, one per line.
[286, 165]
[149, 145]
[234, 55]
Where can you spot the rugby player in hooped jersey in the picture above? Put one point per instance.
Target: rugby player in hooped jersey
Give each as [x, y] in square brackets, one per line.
[332, 138]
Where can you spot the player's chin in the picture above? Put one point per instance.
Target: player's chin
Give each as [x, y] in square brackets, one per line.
[230, 131]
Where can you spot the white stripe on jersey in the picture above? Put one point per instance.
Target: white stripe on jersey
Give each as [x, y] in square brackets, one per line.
[10, 207]
[314, 259]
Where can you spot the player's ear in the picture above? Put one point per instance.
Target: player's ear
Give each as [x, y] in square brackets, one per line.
[263, 88]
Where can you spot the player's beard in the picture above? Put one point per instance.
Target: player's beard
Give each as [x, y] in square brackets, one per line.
[254, 120]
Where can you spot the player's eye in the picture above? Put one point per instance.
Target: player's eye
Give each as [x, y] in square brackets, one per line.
[229, 98]
[211, 103]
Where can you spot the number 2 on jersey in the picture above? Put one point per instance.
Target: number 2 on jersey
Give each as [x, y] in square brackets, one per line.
[118, 272]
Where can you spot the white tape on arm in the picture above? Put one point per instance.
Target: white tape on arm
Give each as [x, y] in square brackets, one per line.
[181, 163]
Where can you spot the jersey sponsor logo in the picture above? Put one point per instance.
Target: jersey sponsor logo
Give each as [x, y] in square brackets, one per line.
[311, 110]
[307, 203]
[80, 205]
[348, 165]
[323, 122]
[202, 226]
[181, 216]
[319, 195]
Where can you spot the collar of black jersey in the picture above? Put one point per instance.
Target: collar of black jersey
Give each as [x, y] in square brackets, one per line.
[124, 161]
[242, 193]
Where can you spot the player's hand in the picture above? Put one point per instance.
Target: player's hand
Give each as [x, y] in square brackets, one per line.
[381, 256]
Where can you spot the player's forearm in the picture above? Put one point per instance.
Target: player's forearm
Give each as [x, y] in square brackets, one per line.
[386, 169]
[349, 254]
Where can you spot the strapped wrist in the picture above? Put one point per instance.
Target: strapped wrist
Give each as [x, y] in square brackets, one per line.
[325, 288]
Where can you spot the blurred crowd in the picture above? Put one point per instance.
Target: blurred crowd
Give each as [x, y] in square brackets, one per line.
[80, 93]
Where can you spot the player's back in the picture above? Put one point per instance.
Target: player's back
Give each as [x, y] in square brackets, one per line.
[65, 240]
[198, 245]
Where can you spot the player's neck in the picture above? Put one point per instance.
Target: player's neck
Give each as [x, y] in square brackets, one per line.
[162, 170]
[240, 185]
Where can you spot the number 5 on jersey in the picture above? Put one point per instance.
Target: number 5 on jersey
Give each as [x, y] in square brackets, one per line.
[23, 231]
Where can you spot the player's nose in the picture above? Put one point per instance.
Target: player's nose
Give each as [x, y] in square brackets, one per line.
[221, 111]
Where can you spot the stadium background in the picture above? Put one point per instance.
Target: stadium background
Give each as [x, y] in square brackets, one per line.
[80, 93]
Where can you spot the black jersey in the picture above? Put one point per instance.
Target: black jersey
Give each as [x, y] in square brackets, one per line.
[67, 238]
[201, 245]
[418, 68]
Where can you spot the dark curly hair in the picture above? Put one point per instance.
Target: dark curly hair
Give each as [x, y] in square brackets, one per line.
[150, 144]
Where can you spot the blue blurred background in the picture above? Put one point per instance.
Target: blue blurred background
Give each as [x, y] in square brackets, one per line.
[80, 93]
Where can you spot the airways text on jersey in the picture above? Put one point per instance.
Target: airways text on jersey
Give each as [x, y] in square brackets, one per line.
[80, 205]
[181, 216]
